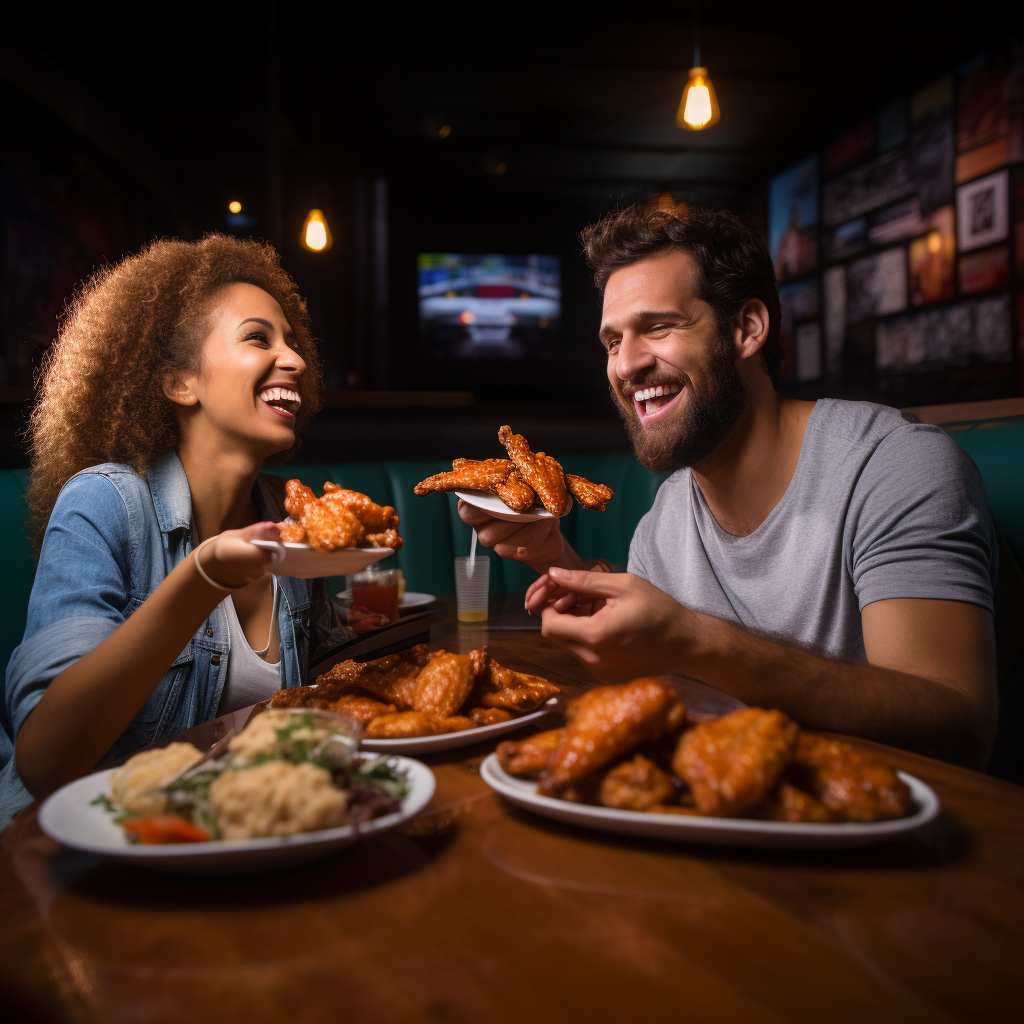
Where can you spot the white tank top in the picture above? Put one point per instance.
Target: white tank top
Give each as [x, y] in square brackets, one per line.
[249, 678]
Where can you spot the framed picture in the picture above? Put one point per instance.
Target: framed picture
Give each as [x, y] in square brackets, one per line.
[982, 212]
[931, 143]
[882, 180]
[876, 285]
[932, 258]
[834, 287]
[845, 240]
[985, 271]
[793, 219]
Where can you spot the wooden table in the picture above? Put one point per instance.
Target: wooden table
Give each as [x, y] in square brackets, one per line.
[480, 912]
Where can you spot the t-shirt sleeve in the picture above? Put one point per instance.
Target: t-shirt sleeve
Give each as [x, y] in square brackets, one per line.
[637, 549]
[919, 523]
[80, 594]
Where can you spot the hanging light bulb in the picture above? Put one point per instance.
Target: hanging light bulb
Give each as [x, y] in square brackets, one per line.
[316, 235]
[698, 107]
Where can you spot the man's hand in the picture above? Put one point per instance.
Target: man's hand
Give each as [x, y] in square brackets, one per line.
[539, 544]
[617, 624]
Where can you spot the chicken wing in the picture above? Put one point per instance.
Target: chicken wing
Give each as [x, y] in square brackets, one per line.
[373, 516]
[443, 684]
[466, 475]
[489, 716]
[731, 763]
[637, 785]
[454, 723]
[587, 493]
[401, 726]
[852, 783]
[296, 497]
[603, 724]
[532, 757]
[391, 679]
[330, 528]
[360, 708]
[500, 687]
[787, 803]
[539, 471]
[387, 539]
[291, 532]
[515, 491]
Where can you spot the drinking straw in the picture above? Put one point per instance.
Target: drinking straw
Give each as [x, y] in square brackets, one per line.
[472, 555]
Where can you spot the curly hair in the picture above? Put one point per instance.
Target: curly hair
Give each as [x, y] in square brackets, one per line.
[128, 328]
[733, 263]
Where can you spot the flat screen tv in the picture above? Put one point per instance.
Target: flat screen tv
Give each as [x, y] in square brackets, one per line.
[486, 306]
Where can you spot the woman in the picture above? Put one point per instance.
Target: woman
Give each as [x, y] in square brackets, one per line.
[177, 373]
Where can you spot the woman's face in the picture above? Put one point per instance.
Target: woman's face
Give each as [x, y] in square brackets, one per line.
[249, 386]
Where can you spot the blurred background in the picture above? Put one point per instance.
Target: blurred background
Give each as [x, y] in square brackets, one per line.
[426, 175]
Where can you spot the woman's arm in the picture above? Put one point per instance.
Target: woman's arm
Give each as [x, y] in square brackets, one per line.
[86, 708]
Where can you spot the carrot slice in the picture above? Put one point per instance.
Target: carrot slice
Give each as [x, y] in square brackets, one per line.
[164, 828]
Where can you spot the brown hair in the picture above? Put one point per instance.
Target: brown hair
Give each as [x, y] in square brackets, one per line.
[127, 329]
[733, 264]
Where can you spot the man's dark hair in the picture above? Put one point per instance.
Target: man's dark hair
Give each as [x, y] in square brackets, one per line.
[733, 263]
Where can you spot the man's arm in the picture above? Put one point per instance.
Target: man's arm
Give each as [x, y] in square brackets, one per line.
[930, 684]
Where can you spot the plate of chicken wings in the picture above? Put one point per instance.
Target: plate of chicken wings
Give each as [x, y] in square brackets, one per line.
[426, 701]
[342, 532]
[526, 486]
[629, 760]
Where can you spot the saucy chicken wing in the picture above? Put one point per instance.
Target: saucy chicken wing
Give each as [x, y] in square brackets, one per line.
[291, 532]
[296, 497]
[490, 716]
[500, 687]
[359, 708]
[339, 519]
[515, 491]
[787, 803]
[466, 475]
[851, 783]
[587, 493]
[603, 724]
[443, 684]
[731, 763]
[373, 516]
[391, 679]
[402, 726]
[636, 785]
[541, 472]
[532, 757]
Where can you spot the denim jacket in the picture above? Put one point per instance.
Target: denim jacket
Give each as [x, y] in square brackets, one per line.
[112, 539]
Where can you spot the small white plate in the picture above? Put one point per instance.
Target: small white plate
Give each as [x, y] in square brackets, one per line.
[70, 817]
[413, 599]
[451, 740]
[494, 506]
[725, 831]
[305, 563]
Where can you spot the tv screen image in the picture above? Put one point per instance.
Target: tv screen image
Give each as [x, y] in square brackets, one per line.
[489, 306]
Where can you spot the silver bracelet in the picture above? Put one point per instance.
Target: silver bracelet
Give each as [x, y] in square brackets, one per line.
[202, 571]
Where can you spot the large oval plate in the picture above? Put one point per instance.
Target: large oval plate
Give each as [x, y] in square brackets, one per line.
[724, 831]
[494, 506]
[306, 563]
[452, 740]
[70, 817]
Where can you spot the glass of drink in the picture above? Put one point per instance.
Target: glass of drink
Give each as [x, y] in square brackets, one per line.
[471, 588]
[376, 590]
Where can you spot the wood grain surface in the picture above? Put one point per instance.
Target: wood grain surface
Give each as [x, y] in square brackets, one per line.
[477, 911]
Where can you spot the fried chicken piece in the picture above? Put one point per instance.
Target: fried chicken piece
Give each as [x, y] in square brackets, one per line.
[515, 491]
[402, 726]
[391, 679]
[587, 493]
[636, 785]
[359, 708]
[500, 687]
[387, 539]
[291, 532]
[489, 716]
[603, 724]
[532, 757]
[373, 516]
[787, 803]
[325, 693]
[330, 528]
[443, 684]
[296, 497]
[466, 475]
[539, 471]
[731, 763]
[294, 697]
[454, 723]
[852, 783]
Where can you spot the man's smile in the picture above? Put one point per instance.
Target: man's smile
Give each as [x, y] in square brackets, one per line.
[651, 402]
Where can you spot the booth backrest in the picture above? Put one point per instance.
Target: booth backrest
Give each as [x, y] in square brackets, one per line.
[434, 534]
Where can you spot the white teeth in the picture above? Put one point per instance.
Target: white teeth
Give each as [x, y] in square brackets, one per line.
[280, 395]
[660, 391]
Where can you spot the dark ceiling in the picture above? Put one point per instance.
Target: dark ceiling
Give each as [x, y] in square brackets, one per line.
[556, 98]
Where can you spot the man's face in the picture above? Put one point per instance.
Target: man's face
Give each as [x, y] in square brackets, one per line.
[673, 377]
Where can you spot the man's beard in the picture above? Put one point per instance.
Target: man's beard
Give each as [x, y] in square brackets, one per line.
[708, 417]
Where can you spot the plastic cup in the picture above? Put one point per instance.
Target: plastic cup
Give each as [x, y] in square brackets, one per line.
[471, 591]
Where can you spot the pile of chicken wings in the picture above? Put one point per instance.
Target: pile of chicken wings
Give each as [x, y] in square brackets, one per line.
[420, 692]
[631, 747]
[520, 480]
[340, 519]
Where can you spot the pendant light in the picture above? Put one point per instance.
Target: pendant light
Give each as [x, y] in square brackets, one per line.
[698, 108]
[316, 235]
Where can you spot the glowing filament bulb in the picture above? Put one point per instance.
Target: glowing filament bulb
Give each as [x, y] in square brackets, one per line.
[316, 236]
[698, 107]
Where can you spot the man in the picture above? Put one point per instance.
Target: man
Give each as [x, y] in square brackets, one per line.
[829, 559]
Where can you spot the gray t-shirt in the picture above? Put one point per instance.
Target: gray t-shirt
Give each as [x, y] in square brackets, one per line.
[878, 508]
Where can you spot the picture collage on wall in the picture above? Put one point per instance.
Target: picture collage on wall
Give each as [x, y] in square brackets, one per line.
[899, 249]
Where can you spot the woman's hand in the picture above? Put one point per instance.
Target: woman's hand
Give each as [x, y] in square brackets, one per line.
[232, 561]
[540, 544]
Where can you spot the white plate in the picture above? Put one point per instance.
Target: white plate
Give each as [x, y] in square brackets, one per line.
[727, 831]
[494, 506]
[451, 740]
[305, 563]
[412, 599]
[69, 817]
